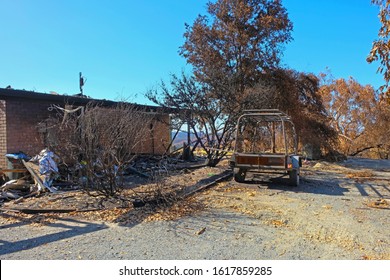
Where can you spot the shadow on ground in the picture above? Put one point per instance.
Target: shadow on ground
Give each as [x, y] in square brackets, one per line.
[307, 185]
[334, 186]
[63, 229]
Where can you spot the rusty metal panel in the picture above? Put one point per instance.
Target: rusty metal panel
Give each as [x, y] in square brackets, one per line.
[250, 160]
[276, 161]
[260, 160]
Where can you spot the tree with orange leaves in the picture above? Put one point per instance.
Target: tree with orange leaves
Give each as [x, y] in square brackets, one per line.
[358, 115]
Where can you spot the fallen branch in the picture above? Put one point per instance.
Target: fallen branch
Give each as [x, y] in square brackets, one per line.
[365, 149]
[37, 211]
[54, 210]
[224, 176]
[209, 182]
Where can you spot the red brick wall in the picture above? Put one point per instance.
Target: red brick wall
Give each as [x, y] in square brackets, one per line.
[3, 134]
[23, 117]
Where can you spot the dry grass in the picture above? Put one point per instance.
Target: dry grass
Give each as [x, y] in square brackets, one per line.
[366, 174]
[379, 203]
[277, 223]
[385, 256]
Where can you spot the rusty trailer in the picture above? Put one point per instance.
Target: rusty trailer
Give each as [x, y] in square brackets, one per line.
[265, 141]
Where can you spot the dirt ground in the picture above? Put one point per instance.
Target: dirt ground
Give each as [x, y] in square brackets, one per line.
[339, 211]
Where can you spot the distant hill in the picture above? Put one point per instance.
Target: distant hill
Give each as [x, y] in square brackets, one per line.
[181, 138]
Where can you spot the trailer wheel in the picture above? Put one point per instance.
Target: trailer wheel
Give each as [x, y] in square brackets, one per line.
[239, 175]
[294, 177]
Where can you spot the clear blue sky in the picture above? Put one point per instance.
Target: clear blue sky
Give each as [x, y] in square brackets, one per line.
[124, 47]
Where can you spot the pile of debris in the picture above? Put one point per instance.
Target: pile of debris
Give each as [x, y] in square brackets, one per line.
[151, 166]
[37, 175]
[44, 173]
[45, 186]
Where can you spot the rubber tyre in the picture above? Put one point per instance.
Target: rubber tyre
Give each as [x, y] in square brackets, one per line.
[294, 178]
[239, 175]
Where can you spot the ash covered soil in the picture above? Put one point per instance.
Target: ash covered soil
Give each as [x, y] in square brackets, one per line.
[339, 211]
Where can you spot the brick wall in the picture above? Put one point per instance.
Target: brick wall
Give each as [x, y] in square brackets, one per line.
[23, 117]
[3, 134]
[161, 134]
[157, 137]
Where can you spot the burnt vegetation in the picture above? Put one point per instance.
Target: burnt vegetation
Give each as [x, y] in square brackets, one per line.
[97, 144]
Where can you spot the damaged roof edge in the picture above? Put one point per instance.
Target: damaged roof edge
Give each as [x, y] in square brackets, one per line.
[69, 99]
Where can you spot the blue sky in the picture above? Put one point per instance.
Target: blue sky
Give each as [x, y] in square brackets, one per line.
[124, 47]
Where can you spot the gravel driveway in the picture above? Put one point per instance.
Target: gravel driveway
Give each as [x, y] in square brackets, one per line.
[340, 211]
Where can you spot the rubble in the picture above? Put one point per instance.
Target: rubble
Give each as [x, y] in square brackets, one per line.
[152, 184]
[148, 166]
[39, 174]
[43, 172]
[139, 198]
